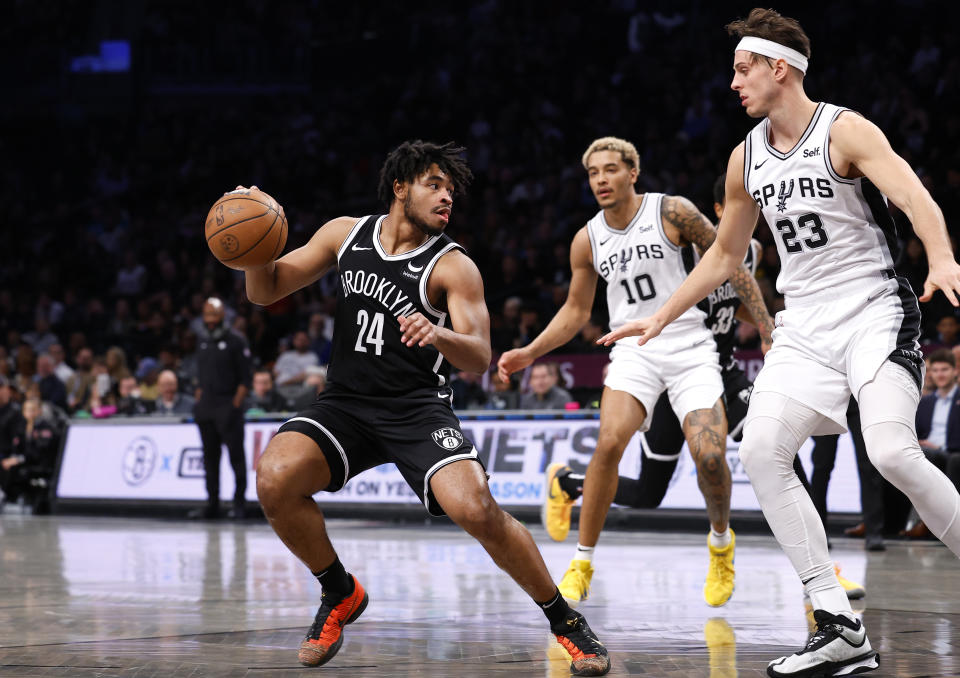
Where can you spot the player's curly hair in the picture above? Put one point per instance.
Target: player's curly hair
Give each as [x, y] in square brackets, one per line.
[412, 158]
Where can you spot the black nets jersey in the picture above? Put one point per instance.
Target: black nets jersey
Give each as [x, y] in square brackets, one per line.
[721, 307]
[376, 288]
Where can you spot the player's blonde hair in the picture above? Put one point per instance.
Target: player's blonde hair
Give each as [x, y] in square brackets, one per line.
[627, 151]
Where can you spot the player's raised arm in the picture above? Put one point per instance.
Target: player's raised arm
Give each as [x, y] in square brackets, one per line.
[467, 345]
[571, 317]
[856, 141]
[718, 262]
[301, 267]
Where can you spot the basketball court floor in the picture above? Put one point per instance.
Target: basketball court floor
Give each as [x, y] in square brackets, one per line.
[86, 597]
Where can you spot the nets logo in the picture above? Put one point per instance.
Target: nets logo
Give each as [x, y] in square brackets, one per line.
[448, 438]
[139, 461]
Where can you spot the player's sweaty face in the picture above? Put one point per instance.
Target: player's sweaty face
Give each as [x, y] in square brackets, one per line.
[611, 180]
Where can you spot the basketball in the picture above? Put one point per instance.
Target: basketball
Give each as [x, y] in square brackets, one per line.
[246, 228]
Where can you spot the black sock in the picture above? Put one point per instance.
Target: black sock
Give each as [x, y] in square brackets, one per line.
[335, 580]
[556, 609]
[571, 483]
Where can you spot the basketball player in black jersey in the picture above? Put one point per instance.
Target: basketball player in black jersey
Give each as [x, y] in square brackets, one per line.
[410, 303]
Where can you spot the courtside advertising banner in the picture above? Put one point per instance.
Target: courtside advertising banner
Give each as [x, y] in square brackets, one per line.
[164, 461]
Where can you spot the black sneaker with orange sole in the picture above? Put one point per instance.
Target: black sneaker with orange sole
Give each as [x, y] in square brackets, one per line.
[325, 637]
[581, 643]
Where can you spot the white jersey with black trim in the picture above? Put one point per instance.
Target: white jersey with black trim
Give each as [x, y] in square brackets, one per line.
[642, 268]
[834, 235]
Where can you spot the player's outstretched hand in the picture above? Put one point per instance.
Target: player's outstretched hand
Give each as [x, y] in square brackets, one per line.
[944, 277]
[513, 361]
[417, 329]
[645, 328]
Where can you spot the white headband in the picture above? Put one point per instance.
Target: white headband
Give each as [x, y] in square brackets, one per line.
[774, 50]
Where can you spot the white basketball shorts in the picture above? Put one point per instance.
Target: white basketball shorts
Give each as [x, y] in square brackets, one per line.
[689, 375]
[827, 350]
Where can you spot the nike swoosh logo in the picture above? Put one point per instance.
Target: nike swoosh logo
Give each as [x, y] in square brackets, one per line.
[760, 164]
[604, 242]
[415, 269]
[357, 249]
[443, 395]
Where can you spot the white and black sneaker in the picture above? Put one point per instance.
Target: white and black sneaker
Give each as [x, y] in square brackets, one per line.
[839, 647]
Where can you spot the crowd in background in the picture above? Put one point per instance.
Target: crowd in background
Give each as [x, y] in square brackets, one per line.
[108, 177]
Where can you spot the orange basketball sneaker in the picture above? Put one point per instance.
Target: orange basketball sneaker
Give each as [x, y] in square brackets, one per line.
[325, 637]
[589, 656]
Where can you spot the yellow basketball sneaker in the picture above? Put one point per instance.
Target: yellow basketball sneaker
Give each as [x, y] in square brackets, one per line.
[575, 585]
[719, 585]
[854, 591]
[557, 504]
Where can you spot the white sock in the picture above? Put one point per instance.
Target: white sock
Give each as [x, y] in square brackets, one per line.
[584, 553]
[826, 593]
[720, 540]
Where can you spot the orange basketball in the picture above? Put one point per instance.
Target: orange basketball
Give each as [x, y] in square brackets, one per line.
[246, 228]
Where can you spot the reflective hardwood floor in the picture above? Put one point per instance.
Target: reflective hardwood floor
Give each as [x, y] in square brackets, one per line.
[136, 597]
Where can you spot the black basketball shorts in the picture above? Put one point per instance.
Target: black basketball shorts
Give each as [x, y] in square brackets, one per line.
[357, 432]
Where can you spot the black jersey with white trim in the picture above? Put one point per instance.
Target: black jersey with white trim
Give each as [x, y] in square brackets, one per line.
[376, 288]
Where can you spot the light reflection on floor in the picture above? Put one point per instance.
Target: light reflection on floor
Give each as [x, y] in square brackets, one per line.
[116, 597]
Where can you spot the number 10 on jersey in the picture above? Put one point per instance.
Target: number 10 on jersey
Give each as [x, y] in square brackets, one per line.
[644, 286]
[374, 335]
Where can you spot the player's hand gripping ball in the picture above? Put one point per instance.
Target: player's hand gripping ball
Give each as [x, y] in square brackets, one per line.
[246, 228]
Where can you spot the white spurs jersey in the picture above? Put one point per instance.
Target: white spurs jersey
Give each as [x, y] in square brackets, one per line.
[642, 269]
[832, 233]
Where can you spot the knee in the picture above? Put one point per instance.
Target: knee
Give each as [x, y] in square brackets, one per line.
[277, 480]
[763, 447]
[272, 483]
[479, 515]
[609, 449]
[650, 499]
[751, 454]
[711, 464]
[891, 445]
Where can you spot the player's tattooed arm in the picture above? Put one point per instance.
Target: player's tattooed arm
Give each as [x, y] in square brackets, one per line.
[695, 228]
[745, 285]
[690, 222]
